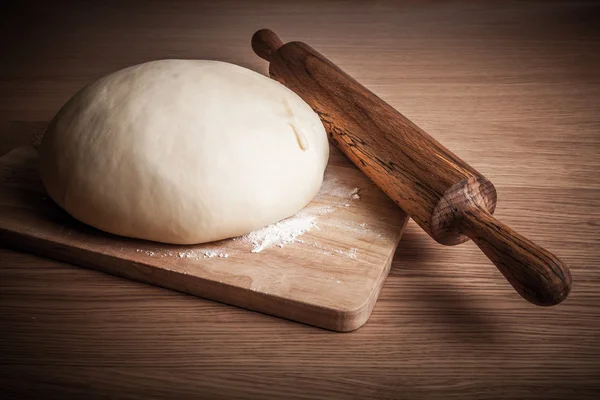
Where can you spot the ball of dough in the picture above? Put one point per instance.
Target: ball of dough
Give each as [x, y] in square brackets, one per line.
[183, 152]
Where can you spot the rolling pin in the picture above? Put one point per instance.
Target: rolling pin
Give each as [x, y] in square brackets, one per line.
[447, 197]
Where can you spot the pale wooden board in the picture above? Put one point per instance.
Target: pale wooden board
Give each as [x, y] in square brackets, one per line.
[330, 277]
[513, 88]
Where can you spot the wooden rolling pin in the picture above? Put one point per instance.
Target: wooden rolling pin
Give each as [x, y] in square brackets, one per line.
[447, 197]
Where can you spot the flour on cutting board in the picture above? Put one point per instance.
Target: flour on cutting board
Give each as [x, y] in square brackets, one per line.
[288, 230]
[280, 233]
[285, 232]
[195, 254]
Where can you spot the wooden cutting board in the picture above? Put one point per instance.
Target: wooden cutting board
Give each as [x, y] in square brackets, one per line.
[329, 276]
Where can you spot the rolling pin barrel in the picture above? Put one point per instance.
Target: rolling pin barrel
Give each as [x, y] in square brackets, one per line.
[449, 199]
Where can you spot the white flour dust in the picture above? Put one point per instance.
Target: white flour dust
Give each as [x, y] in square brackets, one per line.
[328, 251]
[281, 233]
[334, 191]
[288, 230]
[335, 187]
[195, 254]
[202, 253]
[351, 253]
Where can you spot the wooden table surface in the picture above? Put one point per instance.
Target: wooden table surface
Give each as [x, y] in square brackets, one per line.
[511, 87]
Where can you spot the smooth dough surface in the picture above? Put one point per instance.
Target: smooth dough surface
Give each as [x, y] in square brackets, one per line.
[182, 151]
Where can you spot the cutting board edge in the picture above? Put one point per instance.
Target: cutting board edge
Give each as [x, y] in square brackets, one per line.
[339, 320]
[347, 317]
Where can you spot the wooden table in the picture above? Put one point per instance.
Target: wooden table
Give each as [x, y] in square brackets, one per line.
[512, 88]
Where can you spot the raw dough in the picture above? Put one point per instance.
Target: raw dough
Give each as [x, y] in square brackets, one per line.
[184, 152]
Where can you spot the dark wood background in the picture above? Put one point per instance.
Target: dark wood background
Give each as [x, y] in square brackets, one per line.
[512, 87]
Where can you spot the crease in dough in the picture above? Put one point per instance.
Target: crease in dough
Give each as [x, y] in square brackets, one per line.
[296, 127]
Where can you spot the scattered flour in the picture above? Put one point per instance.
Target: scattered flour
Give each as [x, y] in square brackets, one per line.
[146, 252]
[195, 254]
[280, 233]
[319, 210]
[351, 253]
[289, 230]
[214, 253]
[335, 187]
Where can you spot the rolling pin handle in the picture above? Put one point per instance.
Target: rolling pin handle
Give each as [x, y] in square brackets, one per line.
[536, 274]
[265, 43]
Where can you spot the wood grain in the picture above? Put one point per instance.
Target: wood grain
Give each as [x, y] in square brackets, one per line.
[512, 87]
[447, 197]
[329, 277]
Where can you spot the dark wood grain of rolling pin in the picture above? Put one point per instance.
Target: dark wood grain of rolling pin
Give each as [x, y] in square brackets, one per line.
[448, 198]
